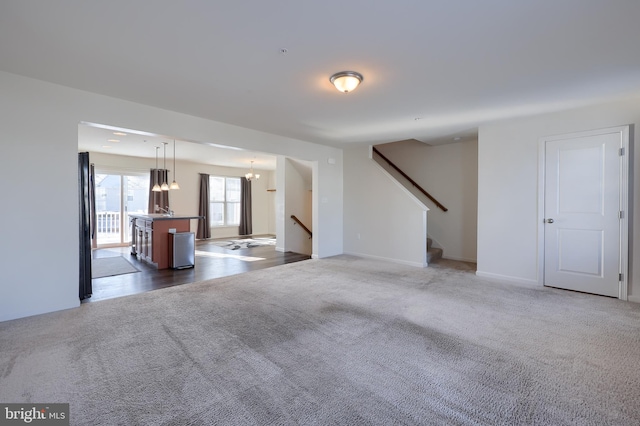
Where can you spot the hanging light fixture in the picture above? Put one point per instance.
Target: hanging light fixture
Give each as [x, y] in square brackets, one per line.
[165, 185]
[251, 176]
[174, 184]
[346, 81]
[156, 187]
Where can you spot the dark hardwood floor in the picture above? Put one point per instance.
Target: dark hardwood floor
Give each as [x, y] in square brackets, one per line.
[212, 261]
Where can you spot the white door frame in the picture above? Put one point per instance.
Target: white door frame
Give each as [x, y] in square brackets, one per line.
[624, 201]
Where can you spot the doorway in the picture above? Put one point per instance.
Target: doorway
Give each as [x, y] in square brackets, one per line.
[118, 195]
[583, 227]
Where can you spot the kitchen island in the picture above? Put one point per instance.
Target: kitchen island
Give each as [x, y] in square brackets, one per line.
[151, 236]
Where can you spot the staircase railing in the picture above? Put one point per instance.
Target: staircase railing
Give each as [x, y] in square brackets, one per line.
[413, 182]
[293, 216]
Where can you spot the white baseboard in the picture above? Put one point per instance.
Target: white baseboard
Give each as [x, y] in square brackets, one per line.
[387, 259]
[315, 256]
[280, 249]
[507, 278]
[460, 259]
[634, 299]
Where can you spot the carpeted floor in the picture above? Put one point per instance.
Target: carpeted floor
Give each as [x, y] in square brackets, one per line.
[340, 341]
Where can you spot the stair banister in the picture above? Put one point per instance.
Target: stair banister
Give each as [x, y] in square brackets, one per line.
[414, 183]
[302, 225]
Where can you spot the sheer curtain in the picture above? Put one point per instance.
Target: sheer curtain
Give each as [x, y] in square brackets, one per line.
[204, 231]
[160, 199]
[246, 226]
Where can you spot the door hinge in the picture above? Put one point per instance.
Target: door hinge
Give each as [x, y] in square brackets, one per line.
[620, 277]
[621, 214]
[621, 152]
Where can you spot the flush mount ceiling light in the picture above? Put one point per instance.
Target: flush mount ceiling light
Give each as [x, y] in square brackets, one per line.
[346, 81]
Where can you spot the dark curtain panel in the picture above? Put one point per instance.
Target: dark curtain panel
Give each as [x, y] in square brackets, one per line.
[84, 277]
[204, 231]
[246, 225]
[92, 205]
[160, 199]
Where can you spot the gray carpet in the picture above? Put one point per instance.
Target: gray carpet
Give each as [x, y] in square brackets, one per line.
[339, 341]
[110, 266]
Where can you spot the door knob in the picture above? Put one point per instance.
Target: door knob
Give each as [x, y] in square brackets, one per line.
[549, 220]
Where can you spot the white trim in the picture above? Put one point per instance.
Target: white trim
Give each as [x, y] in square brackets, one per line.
[541, 185]
[387, 259]
[634, 299]
[460, 259]
[624, 201]
[280, 249]
[623, 289]
[315, 256]
[507, 278]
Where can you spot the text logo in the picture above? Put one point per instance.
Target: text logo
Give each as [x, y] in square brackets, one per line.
[34, 414]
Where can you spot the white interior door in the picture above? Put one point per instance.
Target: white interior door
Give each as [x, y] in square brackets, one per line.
[582, 205]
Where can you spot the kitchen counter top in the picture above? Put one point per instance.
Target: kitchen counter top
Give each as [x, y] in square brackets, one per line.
[162, 216]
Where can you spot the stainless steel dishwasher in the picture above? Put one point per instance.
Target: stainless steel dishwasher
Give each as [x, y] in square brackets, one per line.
[183, 250]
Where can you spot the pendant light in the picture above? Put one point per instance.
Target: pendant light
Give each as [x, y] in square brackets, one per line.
[156, 187]
[165, 185]
[174, 184]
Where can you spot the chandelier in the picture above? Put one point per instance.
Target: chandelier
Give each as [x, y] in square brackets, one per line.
[252, 176]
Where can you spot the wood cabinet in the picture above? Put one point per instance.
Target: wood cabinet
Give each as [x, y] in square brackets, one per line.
[152, 237]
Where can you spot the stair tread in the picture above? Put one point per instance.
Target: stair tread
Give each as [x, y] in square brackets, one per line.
[433, 253]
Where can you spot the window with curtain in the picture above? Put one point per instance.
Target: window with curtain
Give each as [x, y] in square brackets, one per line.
[224, 200]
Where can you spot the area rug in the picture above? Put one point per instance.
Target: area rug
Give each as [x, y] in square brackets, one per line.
[245, 243]
[110, 266]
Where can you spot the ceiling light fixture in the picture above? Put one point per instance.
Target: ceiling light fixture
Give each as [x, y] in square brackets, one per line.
[156, 187]
[120, 134]
[346, 81]
[174, 184]
[251, 176]
[165, 185]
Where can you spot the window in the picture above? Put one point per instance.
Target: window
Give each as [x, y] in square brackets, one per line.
[224, 200]
[117, 195]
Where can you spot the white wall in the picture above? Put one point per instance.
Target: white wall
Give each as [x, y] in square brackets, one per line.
[381, 219]
[39, 136]
[450, 174]
[508, 188]
[298, 203]
[185, 200]
[271, 200]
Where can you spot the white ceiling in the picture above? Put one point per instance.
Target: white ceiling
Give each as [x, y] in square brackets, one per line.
[99, 138]
[433, 69]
